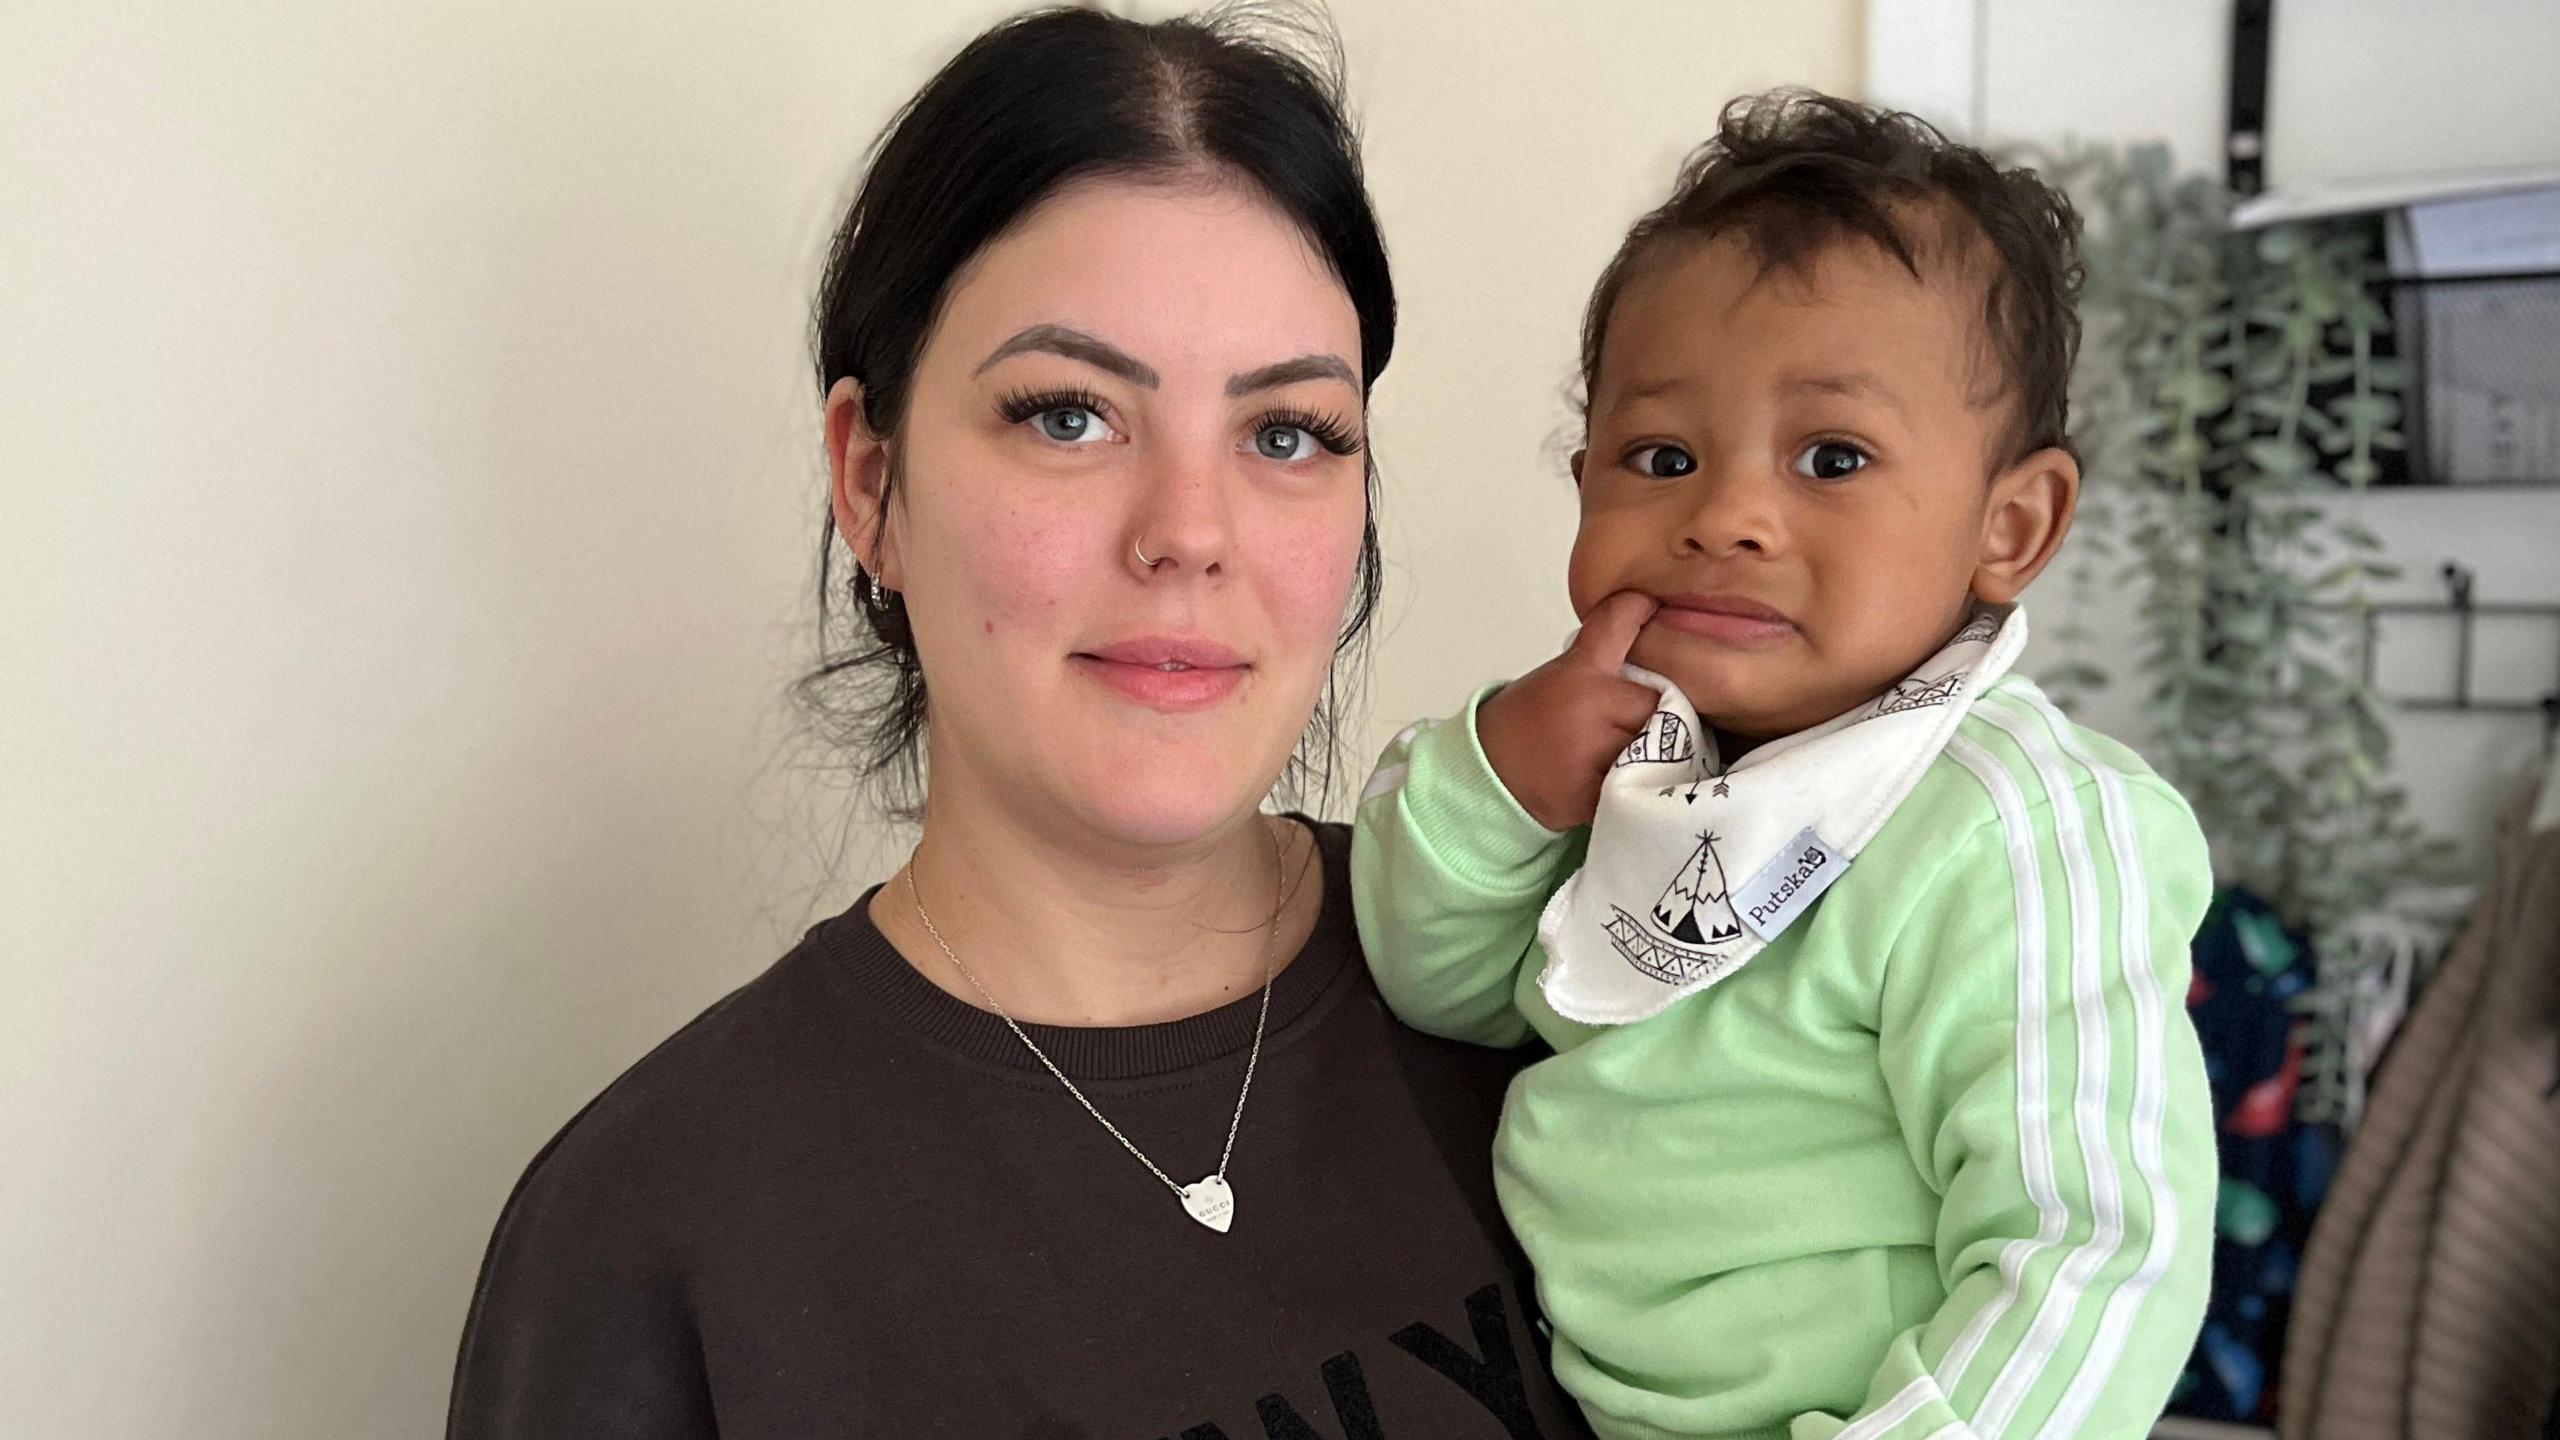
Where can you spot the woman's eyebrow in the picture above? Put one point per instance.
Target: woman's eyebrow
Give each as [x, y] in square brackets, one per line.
[1074, 344]
[1290, 372]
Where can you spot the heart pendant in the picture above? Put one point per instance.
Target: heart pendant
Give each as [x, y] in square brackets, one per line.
[1211, 1202]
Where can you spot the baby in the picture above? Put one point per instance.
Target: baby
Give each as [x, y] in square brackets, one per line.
[1874, 1109]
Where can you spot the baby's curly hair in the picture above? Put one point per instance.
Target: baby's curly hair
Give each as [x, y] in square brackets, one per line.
[1794, 173]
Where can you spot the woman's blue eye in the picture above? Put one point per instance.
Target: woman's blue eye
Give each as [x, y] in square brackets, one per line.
[1830, 460]
[1664, 462]
[1284, 442]
[1072, 425]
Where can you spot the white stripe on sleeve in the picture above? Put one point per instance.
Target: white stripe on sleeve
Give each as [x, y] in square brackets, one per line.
[2150, 1081]
[2045, 1334]
[2035, 1151]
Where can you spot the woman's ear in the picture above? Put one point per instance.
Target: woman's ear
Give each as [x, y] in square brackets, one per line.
[2030, 510]
[858, 484]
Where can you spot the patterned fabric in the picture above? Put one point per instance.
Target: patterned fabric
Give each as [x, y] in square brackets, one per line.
[1694, 868]
[2275, 1170]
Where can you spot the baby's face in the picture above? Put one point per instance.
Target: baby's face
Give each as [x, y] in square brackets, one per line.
[1795, 466]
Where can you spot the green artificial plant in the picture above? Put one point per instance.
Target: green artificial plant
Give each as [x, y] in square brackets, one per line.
[2234, 385]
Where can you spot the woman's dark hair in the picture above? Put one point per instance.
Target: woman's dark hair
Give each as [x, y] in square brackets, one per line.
[1794, 173]
[1037, 102]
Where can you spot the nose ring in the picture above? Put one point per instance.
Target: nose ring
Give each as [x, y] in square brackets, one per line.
[1137, 548]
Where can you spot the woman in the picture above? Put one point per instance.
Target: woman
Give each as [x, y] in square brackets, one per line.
[1088, 1123]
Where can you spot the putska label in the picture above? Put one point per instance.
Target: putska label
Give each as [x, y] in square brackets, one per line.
[1788, 885]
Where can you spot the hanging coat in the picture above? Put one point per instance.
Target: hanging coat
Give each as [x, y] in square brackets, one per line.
[2429, 1306]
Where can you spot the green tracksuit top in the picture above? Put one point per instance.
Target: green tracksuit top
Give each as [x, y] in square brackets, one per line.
[1939, 1162]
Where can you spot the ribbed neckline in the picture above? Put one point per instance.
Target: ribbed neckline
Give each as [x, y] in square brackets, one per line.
[925, 1010]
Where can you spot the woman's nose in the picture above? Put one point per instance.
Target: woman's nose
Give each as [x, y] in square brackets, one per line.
[1182, 522]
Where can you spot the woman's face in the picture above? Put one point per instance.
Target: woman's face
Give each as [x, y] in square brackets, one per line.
[1130, 367]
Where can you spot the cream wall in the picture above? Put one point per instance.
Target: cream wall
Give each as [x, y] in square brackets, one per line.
[409, 477]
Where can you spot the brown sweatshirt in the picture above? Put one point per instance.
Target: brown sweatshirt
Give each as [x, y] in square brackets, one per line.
[843, 1203]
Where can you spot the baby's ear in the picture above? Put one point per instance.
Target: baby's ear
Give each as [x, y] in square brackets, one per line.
[2029, 512]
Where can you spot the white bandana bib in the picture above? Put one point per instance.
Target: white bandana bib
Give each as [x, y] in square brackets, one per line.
[1693, 868]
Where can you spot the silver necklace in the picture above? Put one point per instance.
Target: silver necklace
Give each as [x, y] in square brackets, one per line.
[1209, 1200]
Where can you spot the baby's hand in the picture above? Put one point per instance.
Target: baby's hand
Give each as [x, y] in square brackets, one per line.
[1552, 733]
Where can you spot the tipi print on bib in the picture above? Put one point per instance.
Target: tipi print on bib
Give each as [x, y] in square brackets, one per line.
[1693, 927]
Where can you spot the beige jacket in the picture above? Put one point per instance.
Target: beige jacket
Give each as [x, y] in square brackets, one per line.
[2429, 1306]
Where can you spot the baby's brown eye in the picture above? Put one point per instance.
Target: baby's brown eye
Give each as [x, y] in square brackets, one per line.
[1663, 462]
[1830, 460]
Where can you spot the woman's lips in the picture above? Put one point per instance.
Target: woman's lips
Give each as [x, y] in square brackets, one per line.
[1170, 673]
[1726, 620]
